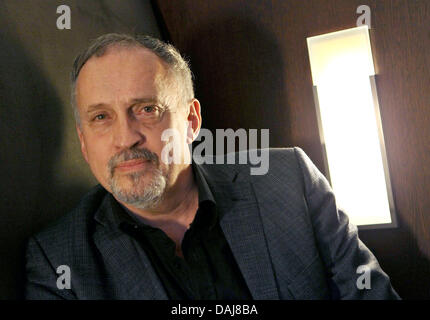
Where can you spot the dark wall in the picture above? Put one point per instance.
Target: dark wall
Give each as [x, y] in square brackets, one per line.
[252, 71]
[42, 172]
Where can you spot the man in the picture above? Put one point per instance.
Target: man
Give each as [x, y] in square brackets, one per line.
[161, 229]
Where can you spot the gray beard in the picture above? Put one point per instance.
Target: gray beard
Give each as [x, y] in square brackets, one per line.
[139, 195]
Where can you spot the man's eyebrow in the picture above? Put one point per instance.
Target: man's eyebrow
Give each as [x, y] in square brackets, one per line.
[143, 100]
[96, 106]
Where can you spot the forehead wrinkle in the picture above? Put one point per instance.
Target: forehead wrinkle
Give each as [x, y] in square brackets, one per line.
[126, 84]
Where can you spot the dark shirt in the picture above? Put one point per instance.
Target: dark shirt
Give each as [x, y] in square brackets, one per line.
[208, 269]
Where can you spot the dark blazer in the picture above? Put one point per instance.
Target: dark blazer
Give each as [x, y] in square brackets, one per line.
[284, 229]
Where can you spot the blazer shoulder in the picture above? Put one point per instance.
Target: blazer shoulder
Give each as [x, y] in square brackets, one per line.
[60, 234]
[242, 160]
[282, 163]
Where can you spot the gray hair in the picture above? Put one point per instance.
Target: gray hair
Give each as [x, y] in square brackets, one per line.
[177, 66]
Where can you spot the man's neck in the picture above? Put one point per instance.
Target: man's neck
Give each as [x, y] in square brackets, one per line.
[177, 210]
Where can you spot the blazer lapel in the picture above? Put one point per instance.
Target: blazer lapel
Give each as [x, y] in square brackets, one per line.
[130, 274]
[241, 223]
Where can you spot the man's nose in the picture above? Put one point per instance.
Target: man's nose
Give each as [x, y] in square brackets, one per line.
[127, 133]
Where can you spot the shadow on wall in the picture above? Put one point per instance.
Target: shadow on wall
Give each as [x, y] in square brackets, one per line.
[31, 135]
[399, 255]
[239, 76]
[43, 174]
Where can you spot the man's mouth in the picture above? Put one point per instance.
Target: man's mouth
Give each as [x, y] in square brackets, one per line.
[132, 165]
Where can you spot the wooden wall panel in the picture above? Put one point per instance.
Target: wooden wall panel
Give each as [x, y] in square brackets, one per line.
[252, 71]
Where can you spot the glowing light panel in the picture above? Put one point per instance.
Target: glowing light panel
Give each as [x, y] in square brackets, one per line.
[350, 128]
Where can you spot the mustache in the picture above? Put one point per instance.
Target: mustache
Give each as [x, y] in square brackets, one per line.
[131, 154]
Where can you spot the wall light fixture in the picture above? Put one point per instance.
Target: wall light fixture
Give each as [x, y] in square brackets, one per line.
[350, 127]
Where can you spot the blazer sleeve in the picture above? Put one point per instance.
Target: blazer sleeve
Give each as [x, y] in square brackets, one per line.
[41, 276]
[340, 248]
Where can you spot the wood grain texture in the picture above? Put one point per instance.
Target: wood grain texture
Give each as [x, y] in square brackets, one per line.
[252, 71]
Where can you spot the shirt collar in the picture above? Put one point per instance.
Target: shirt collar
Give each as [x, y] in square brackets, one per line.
[205, 193]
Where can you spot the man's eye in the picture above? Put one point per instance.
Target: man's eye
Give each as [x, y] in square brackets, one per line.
[148, 113]
[100, 117]
[149, 109]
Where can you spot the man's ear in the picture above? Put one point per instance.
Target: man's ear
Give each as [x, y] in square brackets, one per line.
[82, 141]
[194, 120]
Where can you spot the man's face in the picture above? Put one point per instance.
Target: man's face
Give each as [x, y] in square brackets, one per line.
[125, 106]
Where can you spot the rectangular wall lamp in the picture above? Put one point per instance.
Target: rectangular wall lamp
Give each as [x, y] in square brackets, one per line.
[350, 126]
